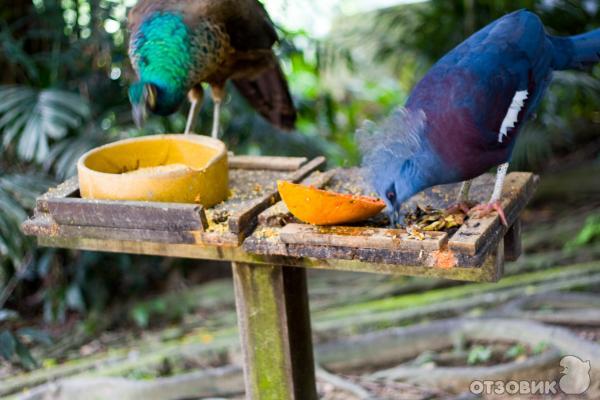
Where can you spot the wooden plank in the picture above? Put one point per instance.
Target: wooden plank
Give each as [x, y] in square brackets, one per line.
[267, 241]
[279, 215]
[68, 188]
[266, 162]
[476, 233]
[512, 242]
[237, 254]
[312, 165]
[319, 179]
[443, 259]
[265, 320]
[43, 224]
[222, 239]
[360, 237]
[127, 214]
[244, 219]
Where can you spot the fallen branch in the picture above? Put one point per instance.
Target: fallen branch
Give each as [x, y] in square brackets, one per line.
[566, 309]
[223, 381]
[342, 384]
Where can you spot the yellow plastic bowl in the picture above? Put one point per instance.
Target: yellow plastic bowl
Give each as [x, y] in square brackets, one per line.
[163, 168]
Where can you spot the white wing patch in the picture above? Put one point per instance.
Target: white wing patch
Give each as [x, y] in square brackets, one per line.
[513, 113]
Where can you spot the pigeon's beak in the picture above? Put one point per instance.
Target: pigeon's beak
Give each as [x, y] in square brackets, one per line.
[139, 115]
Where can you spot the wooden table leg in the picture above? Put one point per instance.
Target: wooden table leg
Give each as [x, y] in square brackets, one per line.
[274, 323]
[512, 241]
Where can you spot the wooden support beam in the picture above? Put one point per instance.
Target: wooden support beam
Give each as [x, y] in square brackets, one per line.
[274, 325]
[512, 242]
[485, 273]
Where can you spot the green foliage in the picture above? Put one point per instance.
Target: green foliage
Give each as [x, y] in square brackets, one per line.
[540, 347]
[590, 233]
[515, 351]
[17, 196]
[405, 40]
[141, 313]
[13, 345]
[479, 354]
[64, 91]
[33, 117]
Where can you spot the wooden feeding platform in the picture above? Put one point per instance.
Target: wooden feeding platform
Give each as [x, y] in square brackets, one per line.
[473, 251]
[270, 250]
[61, 212]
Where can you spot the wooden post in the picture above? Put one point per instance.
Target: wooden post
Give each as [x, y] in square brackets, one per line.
[512, 242]
[274, 324]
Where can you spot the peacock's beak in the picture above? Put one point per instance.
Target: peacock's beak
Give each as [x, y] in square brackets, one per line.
[139, 114]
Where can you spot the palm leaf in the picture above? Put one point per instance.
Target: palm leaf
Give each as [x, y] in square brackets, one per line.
[17, 196]
[31, 118]
[63, 155]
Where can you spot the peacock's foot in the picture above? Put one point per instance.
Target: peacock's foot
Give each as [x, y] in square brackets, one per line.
[462, 206]
[482, 210]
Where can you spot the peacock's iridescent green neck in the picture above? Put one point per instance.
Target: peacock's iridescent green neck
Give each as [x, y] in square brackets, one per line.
[161, 51]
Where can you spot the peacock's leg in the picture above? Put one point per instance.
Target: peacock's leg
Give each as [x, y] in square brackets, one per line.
[494, 203]
[195, 96]
[218, 94]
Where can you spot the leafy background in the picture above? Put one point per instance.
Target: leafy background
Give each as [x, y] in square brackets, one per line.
[63, 91]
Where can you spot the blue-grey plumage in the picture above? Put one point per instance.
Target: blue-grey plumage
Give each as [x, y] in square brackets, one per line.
[466, 112]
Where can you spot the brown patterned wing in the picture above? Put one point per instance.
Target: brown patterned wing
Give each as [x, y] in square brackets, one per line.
[249, 26]
[269, 94]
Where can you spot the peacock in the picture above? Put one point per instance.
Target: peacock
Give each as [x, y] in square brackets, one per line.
[176, 45]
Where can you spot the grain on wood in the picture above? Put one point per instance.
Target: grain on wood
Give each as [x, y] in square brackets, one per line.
[361, 237]
[246, 215]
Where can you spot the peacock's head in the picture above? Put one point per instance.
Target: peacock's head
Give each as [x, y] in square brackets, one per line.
[148, 97]
[143, 98]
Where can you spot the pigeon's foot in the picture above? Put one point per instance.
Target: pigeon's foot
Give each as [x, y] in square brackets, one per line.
[463, 206]
[482, 210]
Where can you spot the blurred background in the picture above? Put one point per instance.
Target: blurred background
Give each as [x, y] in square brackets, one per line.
[64, 79]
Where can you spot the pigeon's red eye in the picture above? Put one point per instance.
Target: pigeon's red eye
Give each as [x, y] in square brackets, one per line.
[391, 196]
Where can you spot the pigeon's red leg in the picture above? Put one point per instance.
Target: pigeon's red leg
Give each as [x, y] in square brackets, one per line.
[482, 210]
[463, 204]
